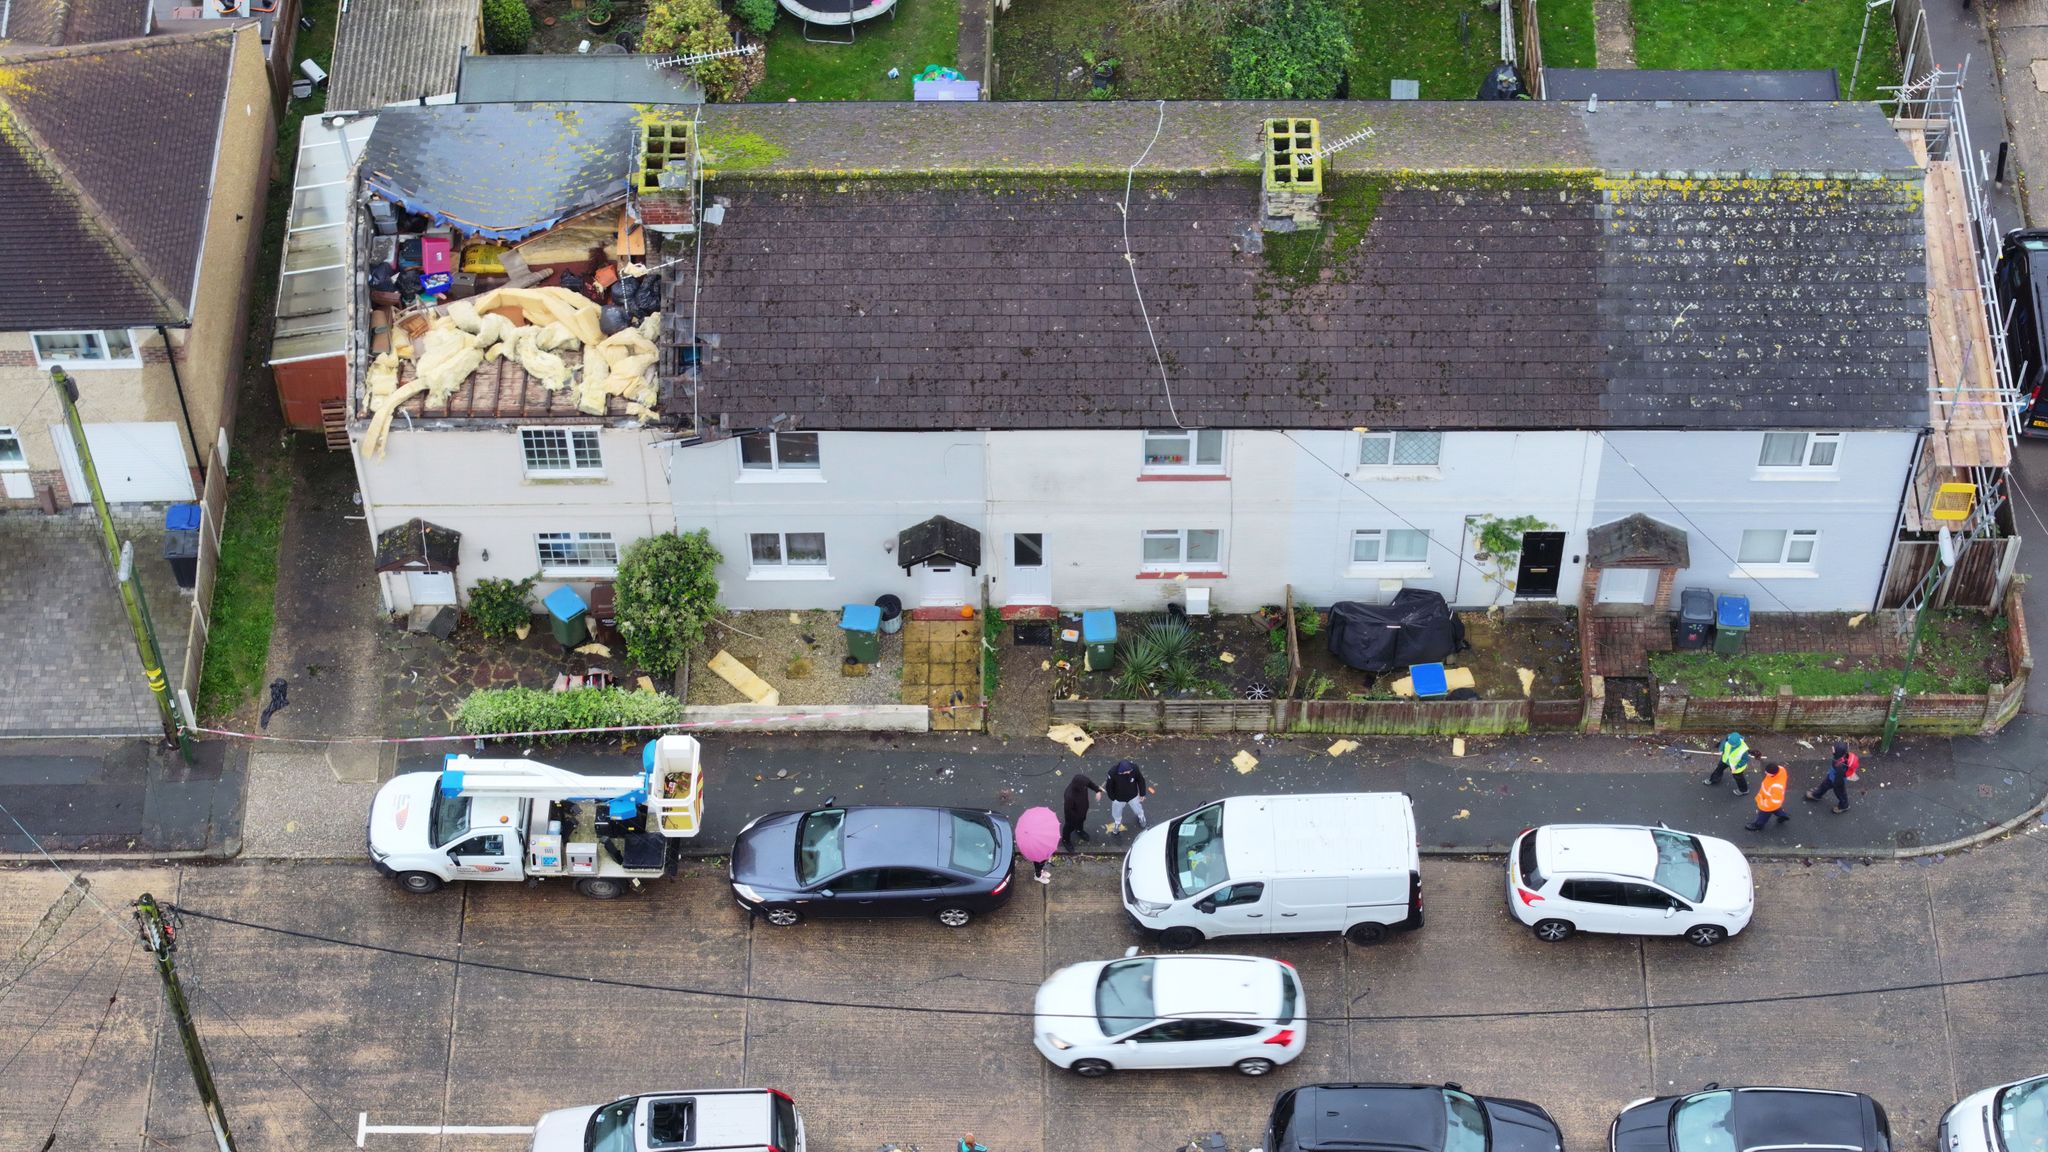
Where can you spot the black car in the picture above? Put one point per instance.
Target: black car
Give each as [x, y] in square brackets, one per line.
[1424, 1117]
[1721, 1119]
[885, 861]
[2022, 285]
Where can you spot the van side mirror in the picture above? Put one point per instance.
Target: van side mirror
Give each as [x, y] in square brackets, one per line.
[1670, 910]
[1207, 904]
[1130, 952]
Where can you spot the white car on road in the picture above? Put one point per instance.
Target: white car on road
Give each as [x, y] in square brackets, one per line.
[731, 1119]
[1195, 1011]
[1628, 879]
[2009, 1118]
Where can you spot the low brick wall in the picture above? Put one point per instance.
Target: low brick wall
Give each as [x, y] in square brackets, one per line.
[1331, 717]
[810, 717]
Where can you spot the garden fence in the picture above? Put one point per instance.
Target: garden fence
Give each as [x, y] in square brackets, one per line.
[213, 506]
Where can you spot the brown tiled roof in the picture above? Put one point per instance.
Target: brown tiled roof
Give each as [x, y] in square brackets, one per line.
[106, 162]
[56, 23]
[502, 390]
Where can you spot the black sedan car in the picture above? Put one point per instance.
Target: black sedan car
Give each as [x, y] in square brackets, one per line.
[951, 863]
[1423, 1117]
[1719, 1119]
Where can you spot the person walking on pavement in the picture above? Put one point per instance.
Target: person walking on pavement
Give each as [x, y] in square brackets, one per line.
[1770, 798]
[1126, 788]
[1735, 759]
[1841, 770]
[1074, 811]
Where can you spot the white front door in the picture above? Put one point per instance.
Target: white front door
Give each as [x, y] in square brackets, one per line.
[1623, 586]
[1030, 577]
[137, 463]
[941, 585]
[430, 588]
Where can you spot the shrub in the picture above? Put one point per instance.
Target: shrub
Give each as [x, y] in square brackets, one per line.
[690, 28]
[667, 592]
[1290, 50]
[507, 26]
[494, 711]
[757, 15]
[500, 607]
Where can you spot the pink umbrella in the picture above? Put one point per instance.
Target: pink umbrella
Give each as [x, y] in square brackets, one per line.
[1038, 833]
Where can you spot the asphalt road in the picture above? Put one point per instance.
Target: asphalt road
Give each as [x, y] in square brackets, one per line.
[303, 1035]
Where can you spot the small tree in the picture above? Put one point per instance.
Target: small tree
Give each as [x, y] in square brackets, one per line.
[694, 28]
[667, 592]
[1498, 545]
[1290, 50]
[757, 15]
[507, 26]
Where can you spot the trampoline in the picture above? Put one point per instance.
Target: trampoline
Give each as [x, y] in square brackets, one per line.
[836, 14]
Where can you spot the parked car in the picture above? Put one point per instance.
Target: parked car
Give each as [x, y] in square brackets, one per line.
[1242, 1012]
[2010, 1118]
[1422, 1117]
[1566, 878]
[1269, 865]
[740, 1120]
[2022, 286]
[951, 863]
[1718, 1119]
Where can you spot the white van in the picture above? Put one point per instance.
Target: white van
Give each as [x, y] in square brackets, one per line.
[1279, 865]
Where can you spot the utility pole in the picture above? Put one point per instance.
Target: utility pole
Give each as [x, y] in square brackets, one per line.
[121, 560]
[162, 941]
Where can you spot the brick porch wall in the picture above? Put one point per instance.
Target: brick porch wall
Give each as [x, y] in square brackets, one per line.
[52, 479]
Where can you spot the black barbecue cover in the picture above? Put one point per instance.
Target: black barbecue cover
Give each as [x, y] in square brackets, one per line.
[1415, 627]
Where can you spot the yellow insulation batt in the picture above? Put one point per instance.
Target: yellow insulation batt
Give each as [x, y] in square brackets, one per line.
[742, 677]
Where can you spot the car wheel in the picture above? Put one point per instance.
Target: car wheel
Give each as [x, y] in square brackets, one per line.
[601, 888]
[955, 917]
[1553, 931]
[1092, 1069]
[782, 916]
[1181, 936]
[1367, 933]
[1705, 935]
[420, 883]
[1255, 1066]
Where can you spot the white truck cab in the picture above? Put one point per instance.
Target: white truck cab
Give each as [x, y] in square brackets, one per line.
[523, 820]
[1278, 865]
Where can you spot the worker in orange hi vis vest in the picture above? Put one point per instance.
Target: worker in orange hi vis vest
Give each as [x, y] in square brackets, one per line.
[1770, 798]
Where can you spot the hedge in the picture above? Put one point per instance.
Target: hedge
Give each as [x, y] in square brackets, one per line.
[496, 711]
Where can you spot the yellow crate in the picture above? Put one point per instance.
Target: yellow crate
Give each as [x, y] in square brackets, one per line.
[1953, 502]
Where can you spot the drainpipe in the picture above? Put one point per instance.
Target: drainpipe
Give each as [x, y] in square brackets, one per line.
[178, 383]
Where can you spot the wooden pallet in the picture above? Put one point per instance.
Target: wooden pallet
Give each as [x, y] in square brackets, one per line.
[334, 422]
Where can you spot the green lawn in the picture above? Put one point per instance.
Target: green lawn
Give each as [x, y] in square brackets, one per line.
[1567, 30]
[921, 33]
[1767, 34]
[1043, 48]
[1421, 40]
[1960, 653]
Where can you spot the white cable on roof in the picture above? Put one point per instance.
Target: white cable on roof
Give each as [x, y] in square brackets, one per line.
[1130, 174]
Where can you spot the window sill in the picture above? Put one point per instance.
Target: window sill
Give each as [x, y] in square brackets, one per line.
[85, 365]
[1181, 573]
[789, 476]
[1380, 472]
[1796, 475]
[1388, 572]
[1774, 572]
[592, 573]
[565, 478]
[788, 574]
[1148, 477]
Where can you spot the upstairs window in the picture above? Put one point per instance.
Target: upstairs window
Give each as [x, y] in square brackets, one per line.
[108, 348]
[1802, 450]
[1399, 449]
[779, 452]
[1187, 450]
[561, 452]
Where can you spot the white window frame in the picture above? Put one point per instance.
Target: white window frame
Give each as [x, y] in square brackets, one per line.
[571, 438]
[1192, 464]
[20, 462]
[775, 470]
[1393, 442]
[577, 568]
[1810, 446]
[783, 568]
[1783, 567]
[1381, 537]
[1181, 562]
[88, 363]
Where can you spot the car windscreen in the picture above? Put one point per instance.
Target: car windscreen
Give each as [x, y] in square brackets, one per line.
[974, 845]
[611, 1127]
[1681, 863]
[451, 817]
[1194, 851]
[1525, 859]
[1123, 996]
[820, 845]
[1464, 1123]
[1290, 996]
[2022, 1112]
[1702, 1123]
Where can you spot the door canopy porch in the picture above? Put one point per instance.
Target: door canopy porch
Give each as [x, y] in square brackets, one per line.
[1637, 541]
[417, 546]
[939, 540]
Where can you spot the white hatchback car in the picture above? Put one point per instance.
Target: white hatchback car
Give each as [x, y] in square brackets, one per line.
[1566, 878]
[1193, 1011]
[2009, 1118]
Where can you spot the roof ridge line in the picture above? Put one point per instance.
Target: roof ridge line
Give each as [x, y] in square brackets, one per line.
[125, 44]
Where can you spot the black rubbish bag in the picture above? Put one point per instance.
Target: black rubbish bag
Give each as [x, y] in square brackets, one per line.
[1415, 627]
[646, 296]
[612, 319]
[1503, 83]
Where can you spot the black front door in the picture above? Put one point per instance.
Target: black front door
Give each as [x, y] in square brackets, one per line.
[1542, 556]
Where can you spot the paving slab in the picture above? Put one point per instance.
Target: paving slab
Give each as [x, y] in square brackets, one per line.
[299, 807]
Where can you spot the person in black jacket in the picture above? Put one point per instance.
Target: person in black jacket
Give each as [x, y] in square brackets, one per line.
[1074, 811]
[1126, 788]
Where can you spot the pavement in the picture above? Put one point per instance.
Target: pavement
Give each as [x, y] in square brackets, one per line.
[2016, 34]
[121, 798]
[305, 1036]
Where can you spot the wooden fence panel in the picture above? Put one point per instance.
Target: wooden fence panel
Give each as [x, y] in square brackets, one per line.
[213, 506]
[1406, 717]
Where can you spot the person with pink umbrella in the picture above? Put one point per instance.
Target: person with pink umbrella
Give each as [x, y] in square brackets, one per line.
[1038, 834]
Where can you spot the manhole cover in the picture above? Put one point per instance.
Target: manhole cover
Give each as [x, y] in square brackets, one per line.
[1907, 838]
[1033, 633]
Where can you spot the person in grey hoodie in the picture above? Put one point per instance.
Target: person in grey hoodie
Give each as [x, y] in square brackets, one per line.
[1126, 787]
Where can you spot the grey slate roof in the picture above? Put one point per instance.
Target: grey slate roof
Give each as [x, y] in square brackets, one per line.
[1637, 541]
[605, 79]
[1690, 84]
[387, 51]
[504, 170]
[54, 23]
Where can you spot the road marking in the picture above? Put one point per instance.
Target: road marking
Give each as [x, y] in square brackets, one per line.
[364, 1129]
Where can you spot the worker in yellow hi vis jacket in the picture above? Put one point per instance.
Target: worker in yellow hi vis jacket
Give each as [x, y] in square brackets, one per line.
[1734, 759]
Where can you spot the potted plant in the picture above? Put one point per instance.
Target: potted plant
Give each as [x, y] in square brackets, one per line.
[598, 13]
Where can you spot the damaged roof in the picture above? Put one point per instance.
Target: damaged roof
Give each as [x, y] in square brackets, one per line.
[98, 233]
[1490, 265]
[505, 171]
